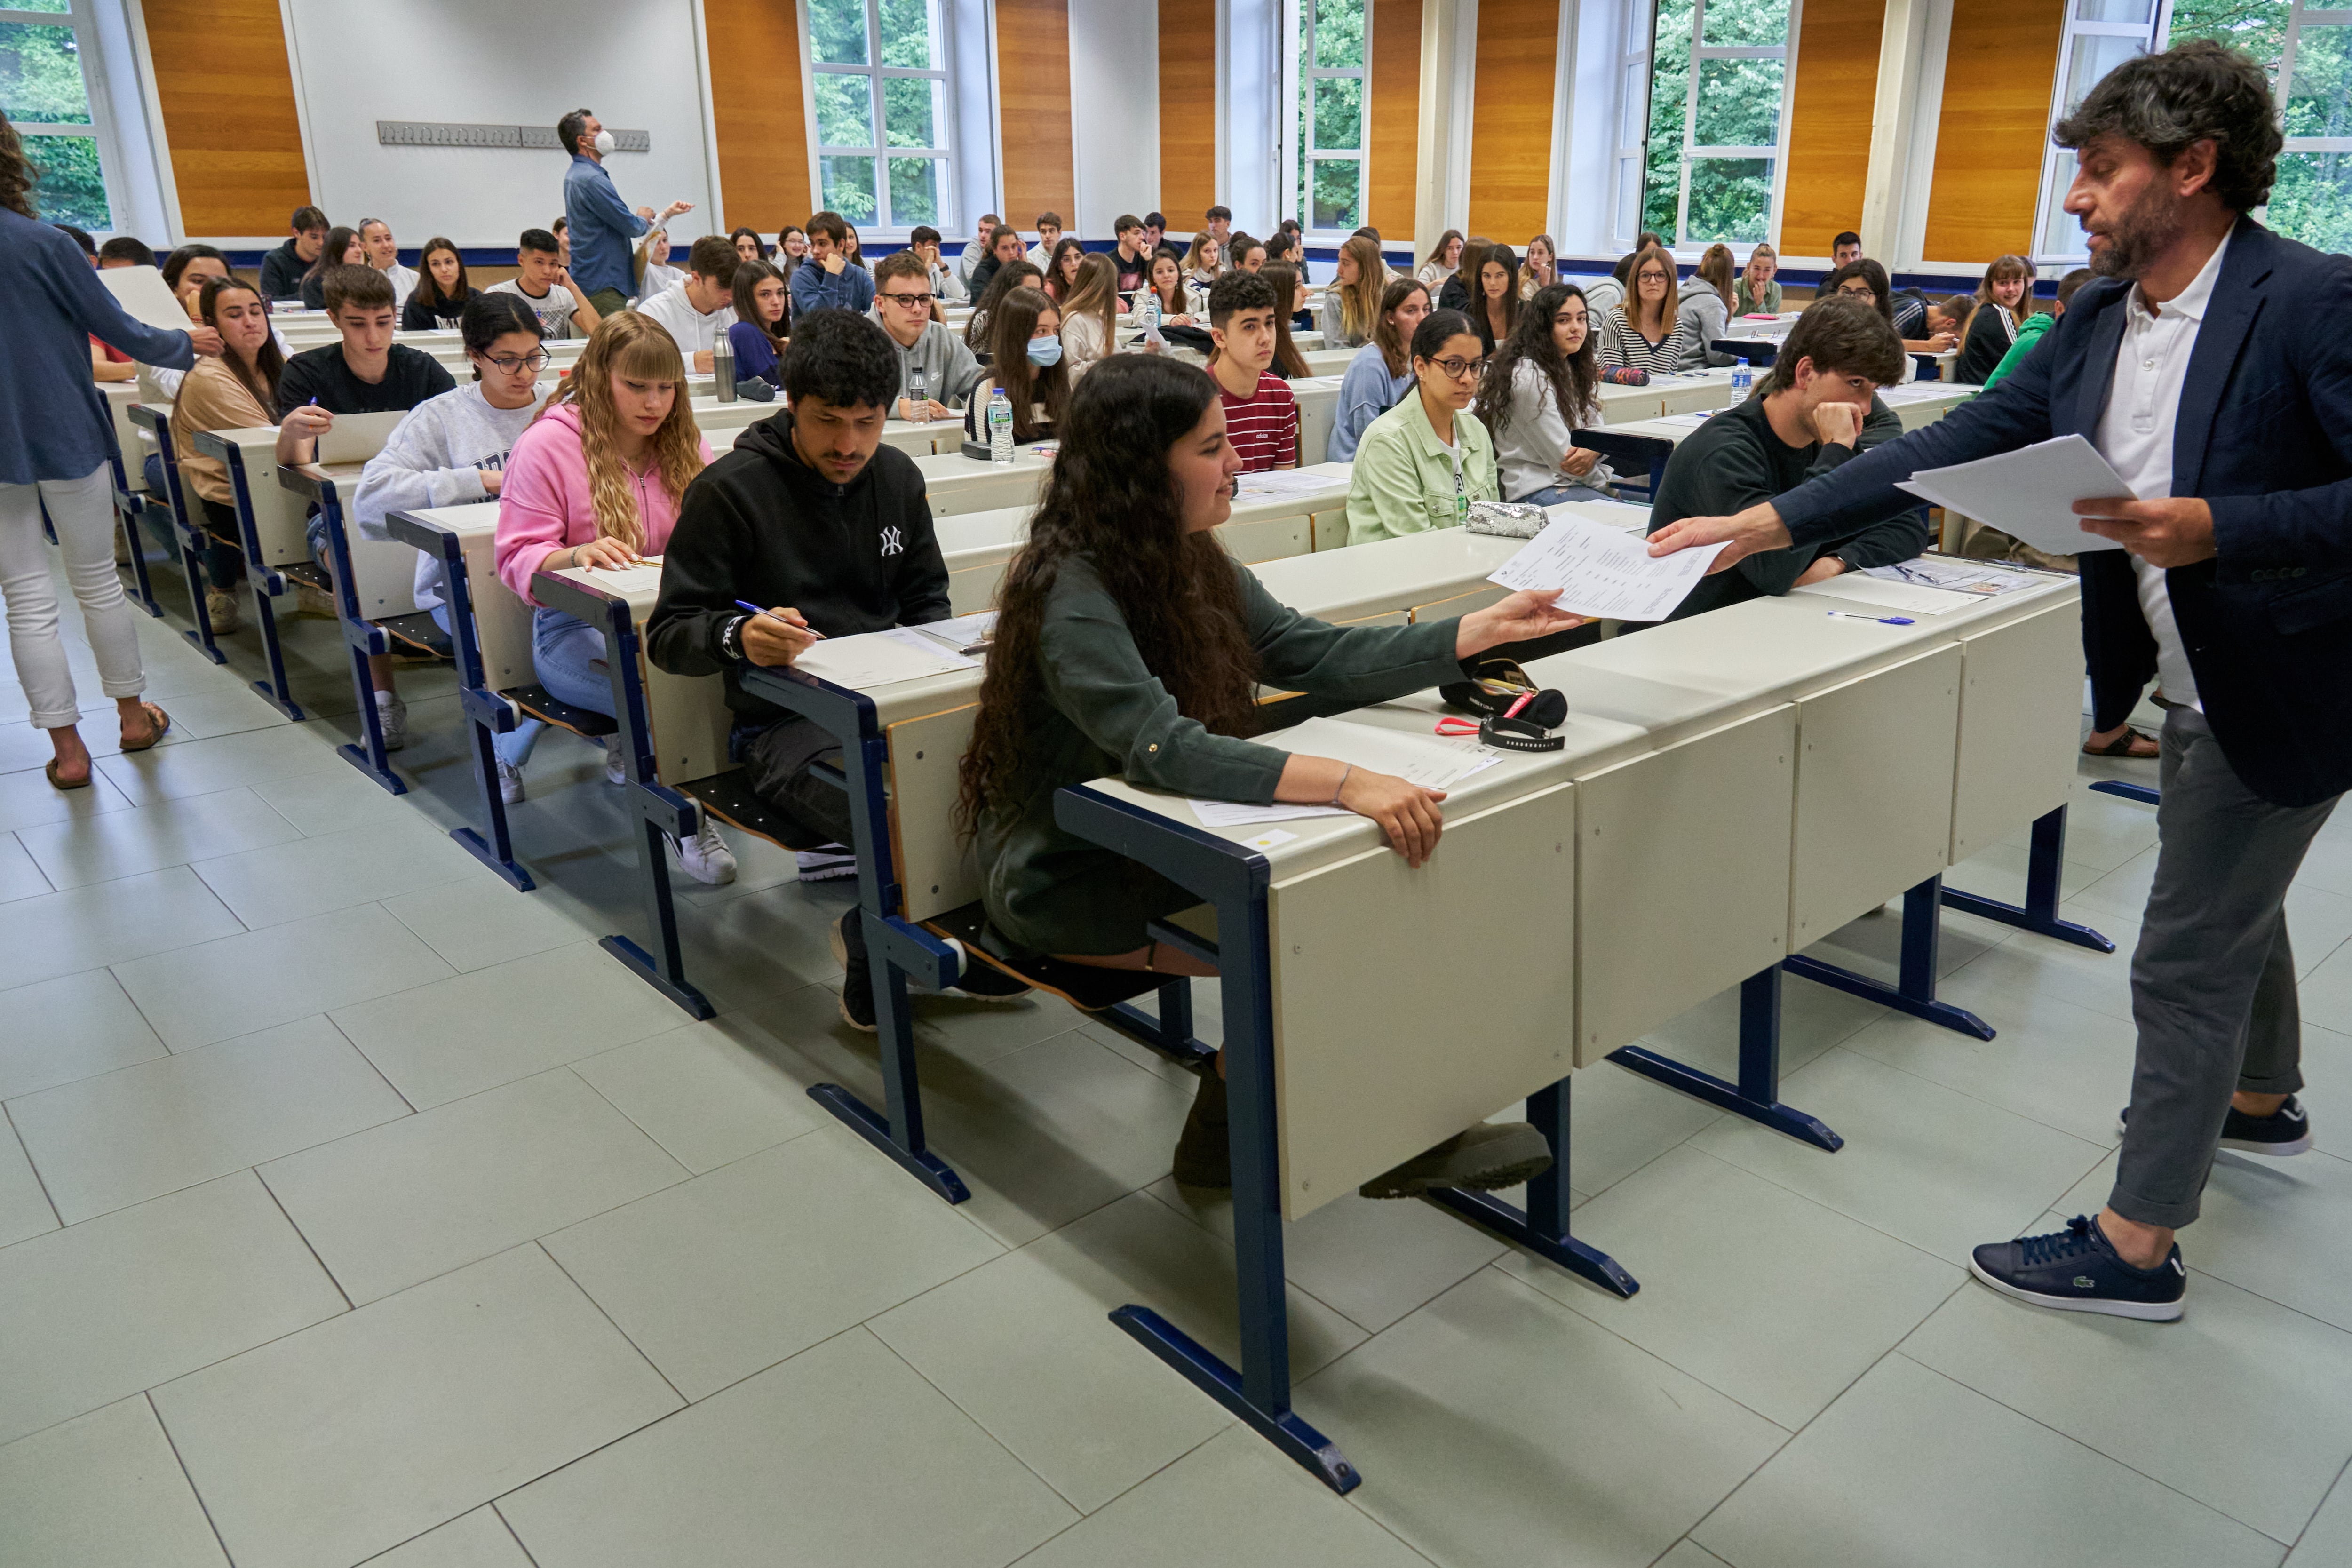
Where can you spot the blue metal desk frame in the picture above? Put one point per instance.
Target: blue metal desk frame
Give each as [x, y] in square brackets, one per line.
[172, 510]
[130, 506]
[365, 638]
[269, 583]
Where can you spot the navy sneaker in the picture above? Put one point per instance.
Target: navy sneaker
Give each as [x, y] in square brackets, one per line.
[2284, 1132]
[848, 942]
[2076, 1270]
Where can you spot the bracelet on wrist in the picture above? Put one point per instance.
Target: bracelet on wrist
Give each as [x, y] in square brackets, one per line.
[1341, 788]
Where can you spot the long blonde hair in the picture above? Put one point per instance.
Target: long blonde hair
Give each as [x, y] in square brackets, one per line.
[1096, 294]
[1359, 302]
[640, 349]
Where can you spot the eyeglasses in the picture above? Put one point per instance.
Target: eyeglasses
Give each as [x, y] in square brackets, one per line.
[912, 301]
[1651, 278]
[535, 362]
[1459, 368]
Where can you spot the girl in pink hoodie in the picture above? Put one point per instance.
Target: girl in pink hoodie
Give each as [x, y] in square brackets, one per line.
[595, 481]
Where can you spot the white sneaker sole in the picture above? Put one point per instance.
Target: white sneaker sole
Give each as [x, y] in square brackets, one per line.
[2246, 1146]
[2146, 1311]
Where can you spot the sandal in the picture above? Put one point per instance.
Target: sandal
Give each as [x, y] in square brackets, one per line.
[50, 768]
[162, 722]
[2125, 745]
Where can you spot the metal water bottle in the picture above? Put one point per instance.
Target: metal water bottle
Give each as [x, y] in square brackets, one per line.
[722, 367]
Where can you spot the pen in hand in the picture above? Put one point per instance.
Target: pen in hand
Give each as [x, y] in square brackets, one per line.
[803, 628]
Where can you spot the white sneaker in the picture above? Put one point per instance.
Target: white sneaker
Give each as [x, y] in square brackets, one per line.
[825, 863]
[392, 714]
[510, 783]
[705, 855]
[617, 766]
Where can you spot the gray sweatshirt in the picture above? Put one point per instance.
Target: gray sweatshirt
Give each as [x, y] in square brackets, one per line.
[1528, 449]
[436, 457]
[948, 367]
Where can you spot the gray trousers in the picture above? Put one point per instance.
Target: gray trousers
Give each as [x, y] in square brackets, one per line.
[2213, 990]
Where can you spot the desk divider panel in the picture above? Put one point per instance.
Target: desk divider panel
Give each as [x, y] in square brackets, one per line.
[1449, 1002]
[1477, 598]
[501, 617]
[971, 589]
[1018, 488]
[936, 867]
[1682, 876]
[1331, 529]
[2021, 725]
[278, 512]
[1873, 790]
[691, 720]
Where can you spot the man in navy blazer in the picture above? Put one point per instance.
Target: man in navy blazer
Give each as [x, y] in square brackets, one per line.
[2211, 364]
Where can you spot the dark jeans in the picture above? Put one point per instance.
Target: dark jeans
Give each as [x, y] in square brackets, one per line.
[223, 563]
[777, 762]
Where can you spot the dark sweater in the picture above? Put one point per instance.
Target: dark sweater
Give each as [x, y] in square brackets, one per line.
[1735, 460]
[322, 376]
[1991, 331]
[763, 526]
[281, 273]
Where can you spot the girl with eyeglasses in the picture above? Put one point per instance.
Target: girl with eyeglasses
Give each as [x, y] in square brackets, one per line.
[1425, 461]
[1644, 334]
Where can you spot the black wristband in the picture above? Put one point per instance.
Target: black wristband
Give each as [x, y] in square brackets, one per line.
[731, 637]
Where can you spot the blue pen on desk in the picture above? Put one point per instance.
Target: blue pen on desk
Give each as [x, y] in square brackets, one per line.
[1882, 620]
[746, 604]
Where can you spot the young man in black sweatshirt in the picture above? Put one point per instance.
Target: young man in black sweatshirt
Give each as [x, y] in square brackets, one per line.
[1815, 408]
[812, 516]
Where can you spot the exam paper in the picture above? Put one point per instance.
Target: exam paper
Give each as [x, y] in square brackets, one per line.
[1855, 587]
[2028, 493]
[1982, 579]
[644, 578]
[1226, 814]
[1604, 571]
[879, 658]
[962, 632]
[1281, 482]
[1426, 761]
[145, 298]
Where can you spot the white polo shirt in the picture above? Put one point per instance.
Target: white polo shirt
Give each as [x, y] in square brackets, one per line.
[695, 332]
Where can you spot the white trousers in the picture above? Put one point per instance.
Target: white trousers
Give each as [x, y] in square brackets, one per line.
[83, 512]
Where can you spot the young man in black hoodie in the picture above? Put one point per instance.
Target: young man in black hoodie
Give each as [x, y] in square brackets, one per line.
[810, 515]
[282, 269]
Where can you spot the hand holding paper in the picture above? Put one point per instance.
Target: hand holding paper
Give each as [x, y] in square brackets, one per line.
[1601, 571]
[2030, 493]
[2171, 531]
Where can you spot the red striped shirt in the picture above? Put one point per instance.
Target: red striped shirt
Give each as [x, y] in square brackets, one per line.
[1264, 426]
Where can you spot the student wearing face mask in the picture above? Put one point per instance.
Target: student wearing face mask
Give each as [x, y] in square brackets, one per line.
[1025, 344]
[600, 226]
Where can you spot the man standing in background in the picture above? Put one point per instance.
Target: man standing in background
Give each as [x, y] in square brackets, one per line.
[599, 224]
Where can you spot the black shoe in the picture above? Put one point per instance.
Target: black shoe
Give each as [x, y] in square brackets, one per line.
[979, 981]
[2284, 1132]
[856, 974]
[1484, 1158]
[1204, 1152]
[2077, 1270]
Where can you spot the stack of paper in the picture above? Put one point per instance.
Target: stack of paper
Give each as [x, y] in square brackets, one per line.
[879, 658]
[1981, 578]
[962, 633]
[1606, 572]
[2030, 493]
[1284, 483]
[1427, 761]
[627, 581]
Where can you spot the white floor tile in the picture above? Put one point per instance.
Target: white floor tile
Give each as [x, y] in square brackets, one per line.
[104, 1143]
[104, 1488]
[2329, 1542]
[333, 799]
[1909, 1469]
[467, 1033]
[226, 762]
[74, 1027]
[841, 1452]
[480, 921]
[1025, 1346]
[337, 1444]
[413, 1198]
[122, 1303]
[2049, 1060]
[309, 876]
[1620, 1121]
[108, 922]
[1691, 1554]
[20, 877]
[242, 985]
[168, 833]
[27, 798]
[24, 1207]
[1813, 1018]
[709, 1093]
[475, 1539]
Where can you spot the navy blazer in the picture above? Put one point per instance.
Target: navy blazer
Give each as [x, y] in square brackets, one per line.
[2263, 433]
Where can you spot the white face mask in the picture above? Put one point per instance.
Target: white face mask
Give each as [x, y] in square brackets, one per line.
[605, 142]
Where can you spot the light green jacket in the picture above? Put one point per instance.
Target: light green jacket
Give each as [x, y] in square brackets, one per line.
[1403, 481]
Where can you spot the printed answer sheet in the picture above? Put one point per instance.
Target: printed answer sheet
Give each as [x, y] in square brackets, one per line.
[2030, 493]
[1427, 761]
[879, 658]
[1603, 571]
[643, 578]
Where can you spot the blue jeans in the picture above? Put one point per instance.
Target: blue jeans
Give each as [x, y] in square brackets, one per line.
[514, 746]
[567, 654]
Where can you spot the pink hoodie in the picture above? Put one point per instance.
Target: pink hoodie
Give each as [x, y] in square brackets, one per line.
[543, 502]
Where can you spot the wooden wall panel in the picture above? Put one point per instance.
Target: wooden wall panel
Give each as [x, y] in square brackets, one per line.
[1994, 127]
[1829, 122]
[1188, 112]
[759, 109]
[226, 91]
[1395, 129]
[1510, 123]
[1033, 73]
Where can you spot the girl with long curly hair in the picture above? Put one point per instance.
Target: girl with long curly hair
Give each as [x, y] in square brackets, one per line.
[596, 482]
[1129, 642]
[1540, 387]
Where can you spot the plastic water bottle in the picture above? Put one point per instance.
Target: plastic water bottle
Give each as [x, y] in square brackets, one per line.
[1742, 379]
[1000, 428]
[919, 395]
[1150, 313]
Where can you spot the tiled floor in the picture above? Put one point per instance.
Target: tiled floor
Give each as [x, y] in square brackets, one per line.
[356, 1209]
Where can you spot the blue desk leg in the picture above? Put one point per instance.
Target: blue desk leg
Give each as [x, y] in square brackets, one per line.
[488, 715]
[1915, 991]
[268, 584]
[2144, 794]
[1756, 1094]
[2039, 913]
[199, 636]
[127, 509]
[1542, 1226]
[365, 640]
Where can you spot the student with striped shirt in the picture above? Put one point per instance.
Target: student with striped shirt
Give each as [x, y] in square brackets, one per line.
[1261, 415]
[1643, 333]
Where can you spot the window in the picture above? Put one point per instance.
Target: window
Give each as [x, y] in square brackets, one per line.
[878, 69]
[2308, 52]
[2100, 35]
[48, 97]
[1633, 108]
[1717, 93]
[1328, 158]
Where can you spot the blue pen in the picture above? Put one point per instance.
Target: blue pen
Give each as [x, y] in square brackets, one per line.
[1882, 620]
[746, 604]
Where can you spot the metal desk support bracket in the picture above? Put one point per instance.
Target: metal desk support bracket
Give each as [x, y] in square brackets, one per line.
[129, 508]
[2039, 913]
[2146, 794]
[1757, 1095]
[365, 640]
[1915, 991]
[268, 583]
[172, 507]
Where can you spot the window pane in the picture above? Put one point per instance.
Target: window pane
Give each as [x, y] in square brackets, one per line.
[1338, 32]
[1339, 194]
[1746, 22]
[2312, 199]
[915, 110]
[1738, 103]
[848, 186]
[2112, 10]
[1339, 113]
[915, 186]
[2061, 232]
[1637, 29]
[2317, 101]
[910, 34]
[2095, 54]
[838, 32]
[1629, 198]
[71, 188]
[2257, 26]
[845, 110]
[40, 75]
[1730, 199]
[1636, 109]
[1669, 82]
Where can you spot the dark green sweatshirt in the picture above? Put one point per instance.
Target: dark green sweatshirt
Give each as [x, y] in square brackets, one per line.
[1103, 712]
[1735, 460]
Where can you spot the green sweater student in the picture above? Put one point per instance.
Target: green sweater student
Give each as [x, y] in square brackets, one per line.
[1419, 464]
[1818, 407]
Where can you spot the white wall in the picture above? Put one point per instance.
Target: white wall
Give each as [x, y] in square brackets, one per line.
[635, 63]
[1114, 113]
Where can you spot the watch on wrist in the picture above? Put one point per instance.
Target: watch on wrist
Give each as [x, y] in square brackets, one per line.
[731, 637]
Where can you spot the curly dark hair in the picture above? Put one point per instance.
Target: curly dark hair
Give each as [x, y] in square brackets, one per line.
[1574, 378]
[2195, 92]
[16, 173]
[1109, 497]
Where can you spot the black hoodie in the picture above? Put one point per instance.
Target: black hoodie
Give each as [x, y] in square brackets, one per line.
[763, 526]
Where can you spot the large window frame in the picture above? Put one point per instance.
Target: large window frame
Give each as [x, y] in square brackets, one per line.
[1774, 153]
[1629, 159]
[877, 148]
[99, 129]
[2057, 239]
[1303, 73]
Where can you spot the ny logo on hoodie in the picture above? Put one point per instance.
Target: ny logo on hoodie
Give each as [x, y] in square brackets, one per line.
[893, 544]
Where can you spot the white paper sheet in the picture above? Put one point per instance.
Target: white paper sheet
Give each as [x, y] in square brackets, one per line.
[1226, 814]
[1857, 588]
[144, 297]
[962, 632]
[627, 581]
[1425, 760]
[1616, 514]
[2029, 493]
[1681, 421]
[879, 658]
[1979, 578]
[1603, 571]
[1281, 483]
